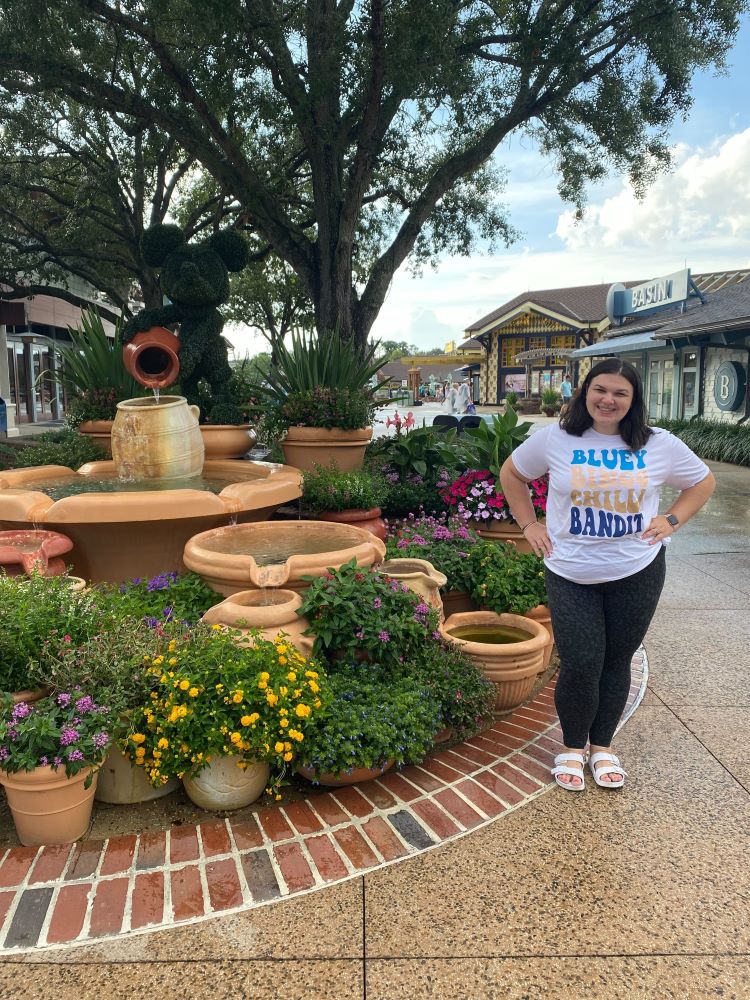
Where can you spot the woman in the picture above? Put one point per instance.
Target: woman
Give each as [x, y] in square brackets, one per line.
[603, 547]
[463, 399]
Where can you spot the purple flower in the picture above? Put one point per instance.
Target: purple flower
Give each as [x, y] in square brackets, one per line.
[21, 710]
[359, 635]
[384, 636]
[100, 740]
[57, 761]
[85, 704]
[63, 700]
[152, 622]
[167, 612]
[422, 609]
[377, 602]
[4, 753]
[75, 755]
[43, 761]
[436, 635]
[68, 736]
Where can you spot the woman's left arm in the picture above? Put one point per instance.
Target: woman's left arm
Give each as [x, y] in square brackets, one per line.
[688, 503]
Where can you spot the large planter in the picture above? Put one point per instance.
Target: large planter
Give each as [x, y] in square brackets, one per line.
[421, 577]
[457, 601]
[542, 615]
[222, 441]
[47, 806]
[29, 696]
[306, 447]
[370, 520]
[352, 777]
[269, 610]
[99, 431]
[123, 783]
[511, 666]
[502, 531]
[224, 785]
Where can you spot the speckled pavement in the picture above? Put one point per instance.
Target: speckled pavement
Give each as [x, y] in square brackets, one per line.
[604, 895]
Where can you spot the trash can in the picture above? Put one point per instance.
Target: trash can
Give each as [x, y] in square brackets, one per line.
[3, 417]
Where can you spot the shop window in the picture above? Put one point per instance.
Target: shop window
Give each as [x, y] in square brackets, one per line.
[511, 346]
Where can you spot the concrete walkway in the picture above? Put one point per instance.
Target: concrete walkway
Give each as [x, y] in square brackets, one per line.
[601, 895]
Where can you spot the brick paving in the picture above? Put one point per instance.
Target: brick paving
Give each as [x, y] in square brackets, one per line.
[56, 896]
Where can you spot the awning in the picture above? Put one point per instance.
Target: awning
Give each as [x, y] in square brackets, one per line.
[619, 345]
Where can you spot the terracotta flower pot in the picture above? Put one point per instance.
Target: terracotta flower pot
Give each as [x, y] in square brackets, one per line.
[224, 785]
[421, 577]
[502, 531]
[29, 696]
[370, 520]
[541, 614]
[306, 447]
[33, 551]
[457, 601]
[151, 357]
[513, 666]
[99, 431]
[225, 441]
[47, 806]
[122, 783]
[269, 610]
[352, 777]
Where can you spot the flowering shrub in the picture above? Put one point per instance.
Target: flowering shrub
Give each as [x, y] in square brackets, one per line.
[506, 580]
[347, 409]
[92, 404]
[444, 541]
[400, 422]
[473, 496]
[330, 489]
[165, 597]
[68, 731]
[367, 723]
[464, 697]
[213, 696]
[360, 611]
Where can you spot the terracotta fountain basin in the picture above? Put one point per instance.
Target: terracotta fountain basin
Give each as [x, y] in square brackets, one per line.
[277, 554]
[33, 551]
[118, 534]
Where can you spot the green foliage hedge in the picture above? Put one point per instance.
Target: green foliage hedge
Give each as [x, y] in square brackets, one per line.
[713, 439]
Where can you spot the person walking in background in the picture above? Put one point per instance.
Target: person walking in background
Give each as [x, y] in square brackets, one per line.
[604, 549]
[451, 398]
[566, 390]
[463, 398]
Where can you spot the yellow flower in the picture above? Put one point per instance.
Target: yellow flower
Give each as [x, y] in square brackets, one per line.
[291, 676]
[138, 738]
[219, 687]
[297, 693]
[278, 747]
[235, 738]
[265, 676]
[299, 736]
[158, 660]
[277, 798]
[311, 673]
[172, 645]
[245, 720]
[254, 718]
[157, 754]
[283, 711]
[283, 690]
[163, 743]
[282, 660]
[271, 698]
[184, 748]
[182, 711]
[172, 660]
[302, 711]
[281, 648]
[287, 746]
[238, 696]
[215, 628]
[283, 723]
[288, 756]
[184, 685]
[193, 692]
[262, 685]
[317, 703]
[314, 687]
[224, 730]
[141, 751]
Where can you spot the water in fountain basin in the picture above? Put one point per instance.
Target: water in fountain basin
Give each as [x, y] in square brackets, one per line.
[271, 546]
[58, 487]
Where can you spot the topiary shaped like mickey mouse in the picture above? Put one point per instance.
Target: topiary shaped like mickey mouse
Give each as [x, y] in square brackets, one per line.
[195, 278]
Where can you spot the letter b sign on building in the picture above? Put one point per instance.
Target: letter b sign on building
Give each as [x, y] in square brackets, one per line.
[729, 385]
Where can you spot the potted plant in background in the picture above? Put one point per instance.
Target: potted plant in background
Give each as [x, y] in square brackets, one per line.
[49, 753]
[416, 463]
[550, 401]
[227, 718]
[319, 396]
[474, 498]
[345, 497]
[229, 441]
[511, 400]
[508, 581]
[94, 377]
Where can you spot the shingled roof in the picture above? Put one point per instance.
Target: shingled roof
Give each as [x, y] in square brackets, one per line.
[583, 304]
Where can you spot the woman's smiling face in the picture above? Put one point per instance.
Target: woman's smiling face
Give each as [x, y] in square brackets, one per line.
[608, 399]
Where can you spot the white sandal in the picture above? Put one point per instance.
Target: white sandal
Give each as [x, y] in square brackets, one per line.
[562, 768]
[601, 771]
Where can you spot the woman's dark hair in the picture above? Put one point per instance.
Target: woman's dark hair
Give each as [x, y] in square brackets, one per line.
[634, 429]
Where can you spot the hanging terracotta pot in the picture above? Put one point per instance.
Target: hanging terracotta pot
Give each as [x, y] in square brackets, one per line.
[224, 785]
[370, 520]
[421, 577]
[508, 649]
[306, 447]
[352, 777]
[224, 441]
[269, 610]
[47, 806]
[151, 357]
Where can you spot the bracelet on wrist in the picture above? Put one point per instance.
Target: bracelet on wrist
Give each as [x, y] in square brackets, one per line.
[527, 525]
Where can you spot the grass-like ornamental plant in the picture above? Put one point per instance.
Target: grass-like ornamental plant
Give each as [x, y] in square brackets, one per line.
[214, 697]
[68, 731]
[362, 611]
[713, 440]
[368, 723]
[443, 541]
[506, 580]
[330, 489]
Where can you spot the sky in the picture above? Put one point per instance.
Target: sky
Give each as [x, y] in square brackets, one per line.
[696, 216]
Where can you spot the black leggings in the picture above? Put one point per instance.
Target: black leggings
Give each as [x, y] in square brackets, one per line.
[597, 628]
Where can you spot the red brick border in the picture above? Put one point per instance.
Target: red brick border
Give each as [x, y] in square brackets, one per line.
[56, 896]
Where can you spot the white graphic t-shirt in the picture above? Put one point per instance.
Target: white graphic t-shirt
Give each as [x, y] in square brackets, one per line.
[602, 497]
